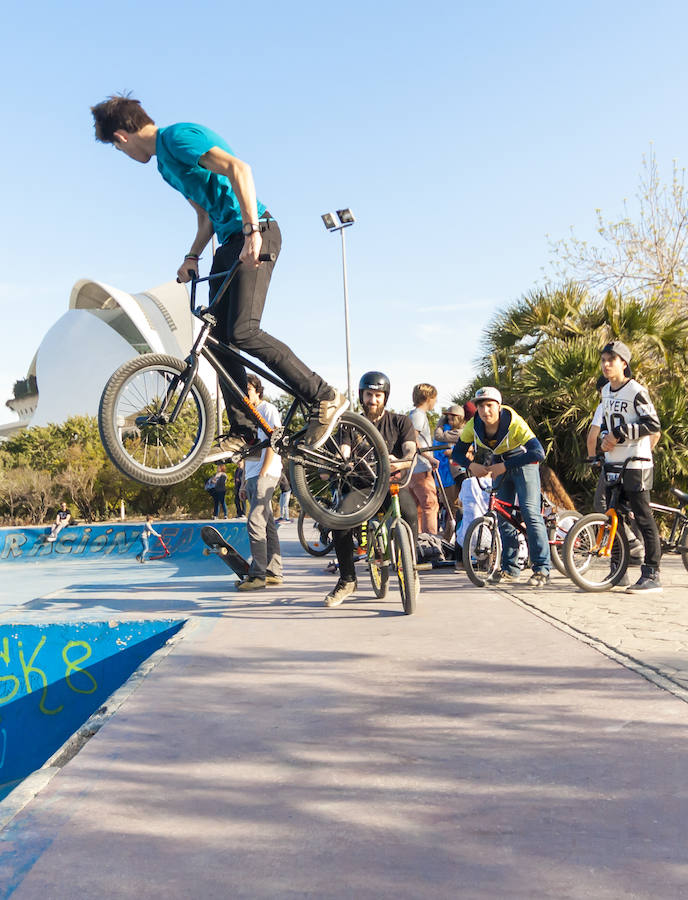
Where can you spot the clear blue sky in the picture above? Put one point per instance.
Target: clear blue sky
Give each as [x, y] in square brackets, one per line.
[461, 134]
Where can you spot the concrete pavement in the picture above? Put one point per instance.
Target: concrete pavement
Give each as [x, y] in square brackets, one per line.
[280, 749]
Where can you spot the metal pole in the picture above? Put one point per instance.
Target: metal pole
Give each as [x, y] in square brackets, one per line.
[349, 390]
[218, 392]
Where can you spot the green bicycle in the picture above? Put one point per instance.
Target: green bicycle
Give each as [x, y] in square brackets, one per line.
[390, 543]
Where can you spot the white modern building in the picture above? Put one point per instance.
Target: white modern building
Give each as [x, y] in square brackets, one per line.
[102, 328]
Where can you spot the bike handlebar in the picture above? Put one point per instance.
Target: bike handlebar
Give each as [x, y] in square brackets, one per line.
[599, 458]
[228, 276]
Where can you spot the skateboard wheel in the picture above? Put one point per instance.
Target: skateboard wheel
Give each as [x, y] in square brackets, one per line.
[223, 551]
[206, 551]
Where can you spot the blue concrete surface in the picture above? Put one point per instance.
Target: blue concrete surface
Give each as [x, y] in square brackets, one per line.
[29, 576]
[53, 677]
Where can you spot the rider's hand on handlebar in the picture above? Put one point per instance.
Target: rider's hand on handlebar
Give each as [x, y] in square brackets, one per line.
[608, 442]
[189, 265]
[251, 249]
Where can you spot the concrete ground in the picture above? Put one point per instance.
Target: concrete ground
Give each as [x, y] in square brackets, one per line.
[494, 744]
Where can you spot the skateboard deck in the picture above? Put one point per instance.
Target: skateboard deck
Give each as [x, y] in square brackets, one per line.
[215, 543]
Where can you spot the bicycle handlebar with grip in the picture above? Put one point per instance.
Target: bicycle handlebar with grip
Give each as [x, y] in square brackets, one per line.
[263, 257]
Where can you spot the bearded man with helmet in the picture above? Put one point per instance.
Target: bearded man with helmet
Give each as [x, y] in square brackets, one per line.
[399, 435]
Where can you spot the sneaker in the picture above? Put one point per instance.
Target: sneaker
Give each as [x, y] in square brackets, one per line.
[503, 578]
[233, 443]
[538, 579]
[273, 579]
[646, 584]
[324, 415]
[342, 590]
[252, 583]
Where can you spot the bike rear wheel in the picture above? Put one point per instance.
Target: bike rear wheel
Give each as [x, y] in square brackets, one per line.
[482, 549]
[583, 549]
[344, 482]
[378, 563]
[556, 533]
[314, 539]
[132, 418]
[404, 562]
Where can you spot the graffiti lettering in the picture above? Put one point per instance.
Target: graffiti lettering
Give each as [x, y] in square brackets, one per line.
[13, 544]
[29, 670]
[5, 656]
[73, 666]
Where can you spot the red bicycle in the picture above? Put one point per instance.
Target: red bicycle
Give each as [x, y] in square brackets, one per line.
[482, 543]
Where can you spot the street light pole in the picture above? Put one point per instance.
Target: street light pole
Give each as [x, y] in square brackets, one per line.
[349, 388]
[346, 219]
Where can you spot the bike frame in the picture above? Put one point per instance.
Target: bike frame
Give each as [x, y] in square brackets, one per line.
[503, 509]
[616, 509]
[203, 346]
[383, 527]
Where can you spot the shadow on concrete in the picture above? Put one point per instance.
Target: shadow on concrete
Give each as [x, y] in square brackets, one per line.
[335, 774]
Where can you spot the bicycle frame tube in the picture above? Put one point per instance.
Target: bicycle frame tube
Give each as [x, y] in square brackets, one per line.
[383, 527]
[609, 543]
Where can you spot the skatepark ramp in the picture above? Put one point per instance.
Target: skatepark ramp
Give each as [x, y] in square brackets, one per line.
[90, 543]
[54, 677]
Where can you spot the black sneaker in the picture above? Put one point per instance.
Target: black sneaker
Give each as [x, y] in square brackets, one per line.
[646, 584]
[341, 591]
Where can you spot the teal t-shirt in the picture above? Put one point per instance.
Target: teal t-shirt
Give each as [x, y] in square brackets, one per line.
[178, 149]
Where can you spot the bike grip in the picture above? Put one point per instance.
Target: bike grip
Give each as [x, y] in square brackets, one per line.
[267, 257]
[192, 275]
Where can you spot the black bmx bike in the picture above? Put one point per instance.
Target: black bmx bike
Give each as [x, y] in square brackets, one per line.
[157, 423]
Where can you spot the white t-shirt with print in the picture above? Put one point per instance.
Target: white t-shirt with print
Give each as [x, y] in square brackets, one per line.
[252, 467]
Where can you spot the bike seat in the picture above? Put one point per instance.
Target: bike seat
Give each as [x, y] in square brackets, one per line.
[682, 495]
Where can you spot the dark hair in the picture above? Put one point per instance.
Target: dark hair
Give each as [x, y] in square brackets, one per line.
[256, 382]
[120, 112]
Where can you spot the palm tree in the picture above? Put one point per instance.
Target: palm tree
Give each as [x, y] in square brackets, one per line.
[543, 353]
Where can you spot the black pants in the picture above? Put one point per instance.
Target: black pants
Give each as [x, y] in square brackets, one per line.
[238, 323]
[344, 540]
[639, 501]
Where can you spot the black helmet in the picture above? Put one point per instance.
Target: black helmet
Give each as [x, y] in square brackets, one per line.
[374, 381]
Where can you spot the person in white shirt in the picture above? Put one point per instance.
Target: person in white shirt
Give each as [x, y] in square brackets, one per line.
[626, 420]
[261, 476]
[422, 485]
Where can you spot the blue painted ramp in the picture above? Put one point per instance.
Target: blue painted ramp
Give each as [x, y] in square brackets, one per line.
[53, 677]
[90, 543]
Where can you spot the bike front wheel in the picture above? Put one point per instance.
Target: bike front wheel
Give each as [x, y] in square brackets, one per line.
[134, 422]
[314, 539]
[344, 482]
[590, 562]
[404, 563]
[482, 549]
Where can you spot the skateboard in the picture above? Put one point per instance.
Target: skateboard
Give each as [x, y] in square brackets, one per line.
[215, 543]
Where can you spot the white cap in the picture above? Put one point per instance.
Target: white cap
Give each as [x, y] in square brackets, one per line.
[487, 393]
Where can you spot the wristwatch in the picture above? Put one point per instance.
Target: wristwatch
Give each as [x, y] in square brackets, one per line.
[249, 228]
